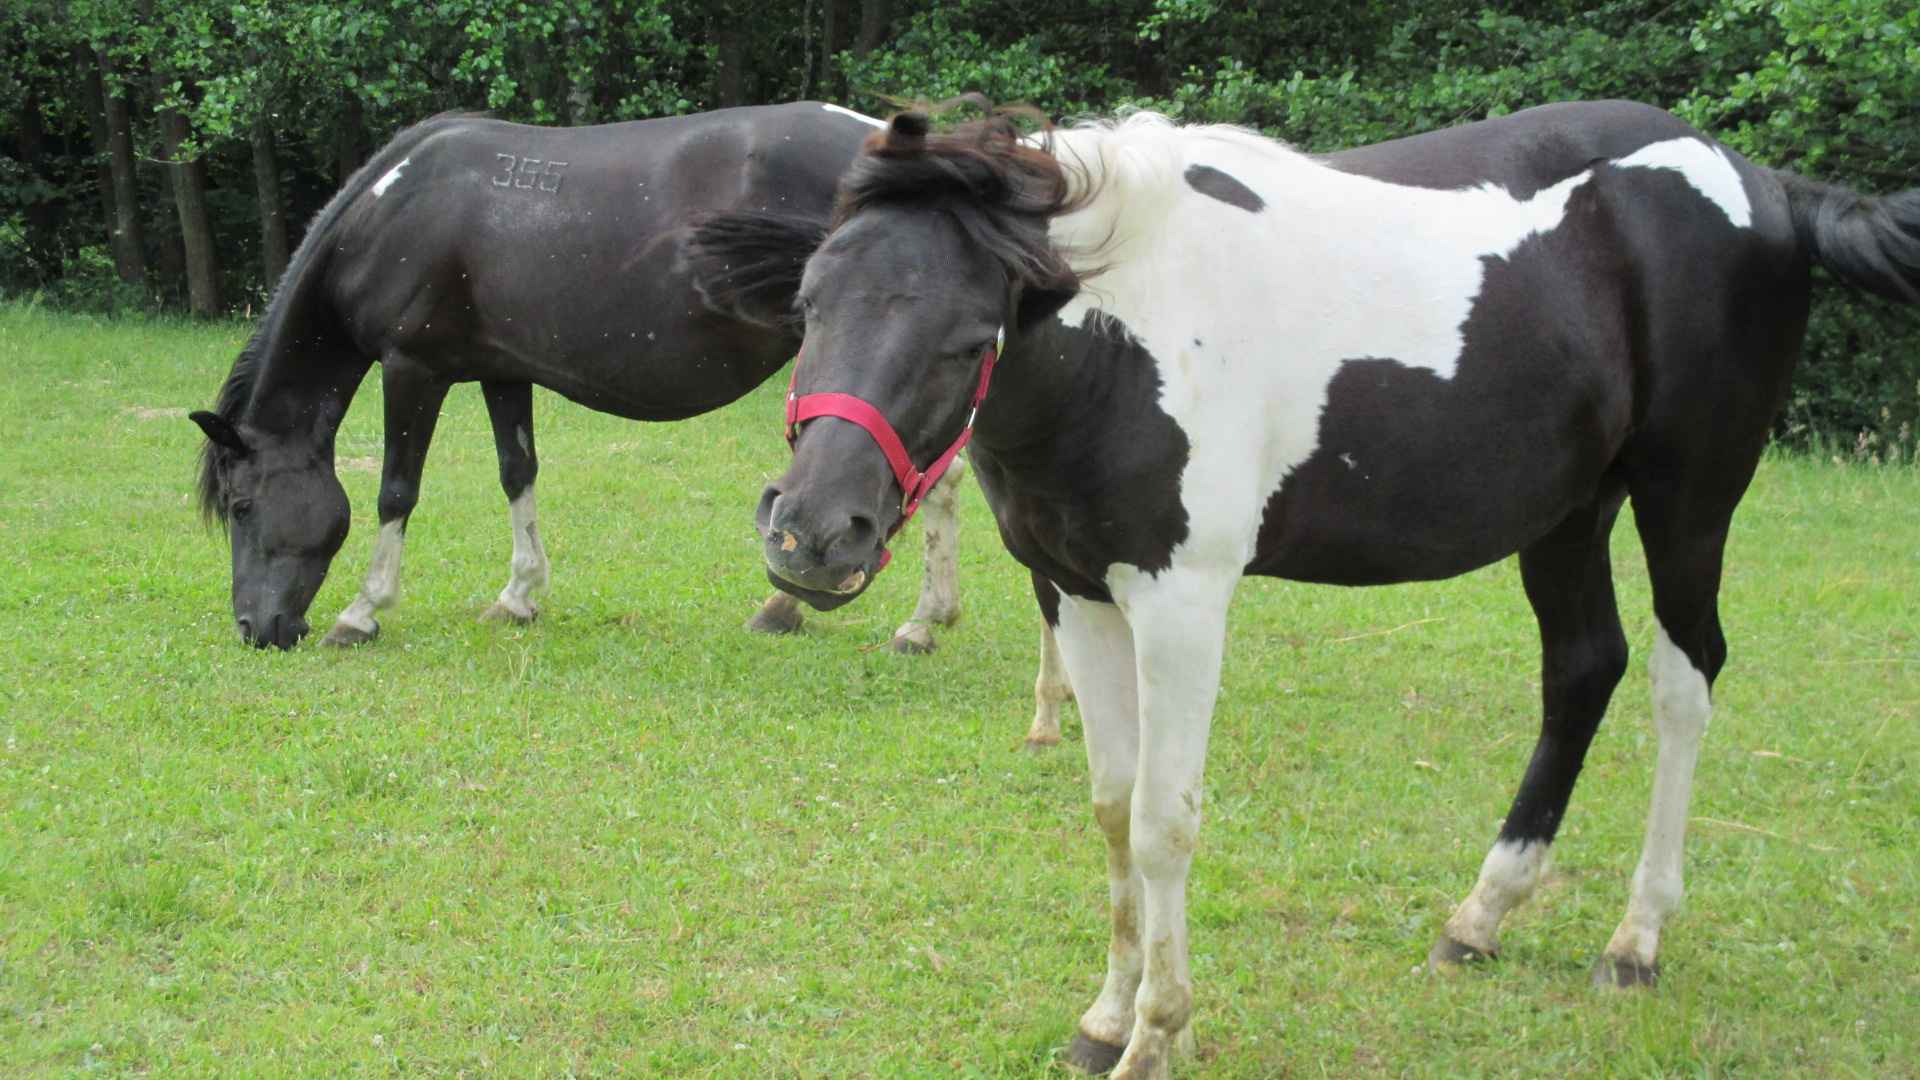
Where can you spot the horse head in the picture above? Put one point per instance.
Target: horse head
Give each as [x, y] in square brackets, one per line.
[938, 248]
[286, 516]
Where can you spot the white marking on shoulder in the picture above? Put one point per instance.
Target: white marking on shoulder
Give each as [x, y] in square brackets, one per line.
[862, 117]
[1704, 166]
[381, 185]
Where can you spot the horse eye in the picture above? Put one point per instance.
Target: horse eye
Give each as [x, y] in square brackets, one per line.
[241, 508]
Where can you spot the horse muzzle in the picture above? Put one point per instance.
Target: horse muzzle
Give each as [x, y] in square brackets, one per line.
[279, 632]
[824, 566]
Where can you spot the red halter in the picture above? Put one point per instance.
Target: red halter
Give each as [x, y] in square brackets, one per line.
[914, 484]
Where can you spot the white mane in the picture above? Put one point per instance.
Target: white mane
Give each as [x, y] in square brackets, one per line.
[1134, 164]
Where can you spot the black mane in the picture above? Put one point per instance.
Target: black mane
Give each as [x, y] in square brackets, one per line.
[747, 264]
[999, 187]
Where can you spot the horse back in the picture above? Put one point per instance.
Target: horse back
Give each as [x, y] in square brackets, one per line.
[509, 251]
[1654, 325]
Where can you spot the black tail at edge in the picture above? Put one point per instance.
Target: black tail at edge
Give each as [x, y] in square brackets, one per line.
[1868, 241]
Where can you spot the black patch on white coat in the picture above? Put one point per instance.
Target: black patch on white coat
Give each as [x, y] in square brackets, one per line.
[1100, 477]
[1215, 184]
[1522, 153]
[1048, 598]
[1417, 477]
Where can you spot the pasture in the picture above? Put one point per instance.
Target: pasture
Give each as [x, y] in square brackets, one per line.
[633, 839]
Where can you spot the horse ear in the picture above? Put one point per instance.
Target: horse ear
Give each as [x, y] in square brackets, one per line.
[220, 430]
[907, 132]
[1039, 301]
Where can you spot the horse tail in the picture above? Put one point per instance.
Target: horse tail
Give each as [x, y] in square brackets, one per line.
[1871, 242]
[294, 297]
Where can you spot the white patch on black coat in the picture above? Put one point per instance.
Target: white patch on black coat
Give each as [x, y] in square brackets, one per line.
[862, 117]
[381, 185]
[530, 567]
[1508, 876]
[1682, 706]
[382, 584]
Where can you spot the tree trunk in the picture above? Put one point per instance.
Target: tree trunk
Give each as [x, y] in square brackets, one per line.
[273, 211]
[876, 18]
[349, 141]
[115, 133]
[806, 49]
[43, 213]
[93, 102]
[835, 20]
[196, 231]
[730, 39]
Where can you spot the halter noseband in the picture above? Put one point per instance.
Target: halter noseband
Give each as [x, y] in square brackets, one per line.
[914, 483]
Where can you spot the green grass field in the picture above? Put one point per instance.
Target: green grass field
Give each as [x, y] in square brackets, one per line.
[633, 839]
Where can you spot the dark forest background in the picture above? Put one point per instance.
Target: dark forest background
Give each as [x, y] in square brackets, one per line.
[162, 155]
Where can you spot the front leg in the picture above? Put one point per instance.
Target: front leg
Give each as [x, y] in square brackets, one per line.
[413, 398]
[1097, 648]
[940, 584]
[1178, 618]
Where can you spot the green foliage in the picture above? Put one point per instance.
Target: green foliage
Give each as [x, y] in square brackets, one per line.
[88, 283]
[1827, 89]
[935, 58]
[1823, 87]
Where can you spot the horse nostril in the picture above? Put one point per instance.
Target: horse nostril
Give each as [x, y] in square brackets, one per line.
[861, 531]
[246, 627]
[763, 514]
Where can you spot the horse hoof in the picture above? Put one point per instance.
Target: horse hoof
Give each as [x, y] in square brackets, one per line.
[912, 640]
[775, 618]
[344, 635]
[1625, 973]
[1092, 1056]
[501, 612]
[1040, 744]
[1451, 955]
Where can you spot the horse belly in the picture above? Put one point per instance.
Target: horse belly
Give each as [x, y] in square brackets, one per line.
[1416, 477]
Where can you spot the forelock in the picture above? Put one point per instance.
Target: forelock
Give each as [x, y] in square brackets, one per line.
[999, 186]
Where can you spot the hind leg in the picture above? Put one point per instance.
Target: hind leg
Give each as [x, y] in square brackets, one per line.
[1583, 653]
[413, 398]
[1684, 543]
[940, 586]
[510, 407]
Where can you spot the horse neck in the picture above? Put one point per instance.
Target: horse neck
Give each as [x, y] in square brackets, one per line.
[1039, 391]
[301, 395]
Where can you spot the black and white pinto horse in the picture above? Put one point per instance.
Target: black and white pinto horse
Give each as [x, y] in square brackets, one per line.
[470, 249]
[1391, 364]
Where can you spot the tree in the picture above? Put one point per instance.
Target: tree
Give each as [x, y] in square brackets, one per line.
[112, 138]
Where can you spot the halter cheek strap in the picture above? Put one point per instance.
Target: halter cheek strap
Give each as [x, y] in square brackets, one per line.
[914, 483]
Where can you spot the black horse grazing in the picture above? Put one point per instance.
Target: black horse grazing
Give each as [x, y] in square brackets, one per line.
[472, 249]
[1392, 364]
